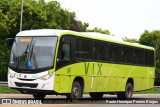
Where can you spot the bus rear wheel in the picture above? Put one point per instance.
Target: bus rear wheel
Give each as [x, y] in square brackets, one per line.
[128, 92]
[96, 95]
[39, 96]
[76, 91]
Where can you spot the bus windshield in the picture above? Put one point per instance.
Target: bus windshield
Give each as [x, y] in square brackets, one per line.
[32, 53]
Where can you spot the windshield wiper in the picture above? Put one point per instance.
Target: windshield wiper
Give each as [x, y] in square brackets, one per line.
[34, 58]
[24, 54]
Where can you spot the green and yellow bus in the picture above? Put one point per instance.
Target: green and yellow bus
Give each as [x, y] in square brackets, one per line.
[63, 62]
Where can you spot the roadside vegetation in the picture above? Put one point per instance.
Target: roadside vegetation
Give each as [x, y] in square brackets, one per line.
[150, 91]
[5, 89]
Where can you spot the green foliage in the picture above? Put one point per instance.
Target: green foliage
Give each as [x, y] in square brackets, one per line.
[157, 53]
[3, 25]
[132, 40]
[149, 38]
[99, 30]
[4, 6]
[3, 34]
[77, 25]
[4, 89]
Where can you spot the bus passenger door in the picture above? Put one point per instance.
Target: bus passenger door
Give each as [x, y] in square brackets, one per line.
[63, 61]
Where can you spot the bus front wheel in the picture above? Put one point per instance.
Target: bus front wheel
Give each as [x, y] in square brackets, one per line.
[76, 91]
[39, 96]
[128, 92]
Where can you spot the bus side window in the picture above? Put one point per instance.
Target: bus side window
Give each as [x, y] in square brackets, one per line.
[64, 55]
[65, 52]
[139, 56]
[149, 57]
[99, 51]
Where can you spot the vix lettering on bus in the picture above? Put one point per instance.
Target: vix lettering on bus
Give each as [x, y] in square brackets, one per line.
[86, 67]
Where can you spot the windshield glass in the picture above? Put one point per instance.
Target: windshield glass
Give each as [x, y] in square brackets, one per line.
[30, 53]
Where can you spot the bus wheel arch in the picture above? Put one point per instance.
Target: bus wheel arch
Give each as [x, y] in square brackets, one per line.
[127, 94]
[77, 84]
[81, 81]
[130, 80]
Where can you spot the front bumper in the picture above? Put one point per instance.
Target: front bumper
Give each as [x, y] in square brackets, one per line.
[30, 81]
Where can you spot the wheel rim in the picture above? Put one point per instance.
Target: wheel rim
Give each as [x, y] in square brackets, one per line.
[76, 92]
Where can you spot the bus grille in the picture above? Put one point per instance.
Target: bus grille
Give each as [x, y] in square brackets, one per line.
[26, 79]
[31, 85]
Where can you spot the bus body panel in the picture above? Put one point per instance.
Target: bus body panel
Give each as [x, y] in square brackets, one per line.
[102, 77]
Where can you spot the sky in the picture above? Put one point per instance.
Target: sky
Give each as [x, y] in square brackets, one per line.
[121, 17]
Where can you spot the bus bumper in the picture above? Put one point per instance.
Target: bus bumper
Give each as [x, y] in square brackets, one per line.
[38, 81]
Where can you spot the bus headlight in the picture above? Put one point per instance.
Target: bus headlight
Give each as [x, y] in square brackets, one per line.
[10, 75]
[46, 77]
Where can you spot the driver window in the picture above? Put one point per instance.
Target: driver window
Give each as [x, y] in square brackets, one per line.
[65, 54]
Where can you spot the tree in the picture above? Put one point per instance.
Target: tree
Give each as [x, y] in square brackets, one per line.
[132, 40]
[99, 30]
[149, 38]
[3, 34]
[157, 53]
[3, 26]
[77, 25]
[4, 6]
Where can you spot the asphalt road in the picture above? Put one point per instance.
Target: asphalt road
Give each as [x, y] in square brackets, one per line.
[139, 100]
[3, 95]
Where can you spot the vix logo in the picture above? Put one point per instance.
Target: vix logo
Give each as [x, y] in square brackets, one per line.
[99, 69]
[86, 67]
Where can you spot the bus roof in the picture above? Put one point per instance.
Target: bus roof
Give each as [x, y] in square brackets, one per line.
[42, 32]
[93, 35]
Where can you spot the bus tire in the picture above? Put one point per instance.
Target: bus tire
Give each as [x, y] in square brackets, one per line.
[95, 95]
[76, 91]
[128, 92]
[39, 96]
